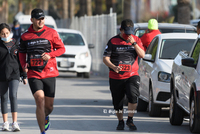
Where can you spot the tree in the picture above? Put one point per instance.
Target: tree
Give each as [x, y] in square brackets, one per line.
[110, 4]
[183, 11]
[83, 6]
[98, 7]
[72, 8]
[4, 11]
[44, 4]
[89, 8]
[127, 9]
[20, 7]
[65, 5]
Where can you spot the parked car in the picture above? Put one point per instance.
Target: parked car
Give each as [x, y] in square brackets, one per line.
[139, 28]
[77, 57]
[194, 22]
[25, 22]
[155, 70]
[185, 88]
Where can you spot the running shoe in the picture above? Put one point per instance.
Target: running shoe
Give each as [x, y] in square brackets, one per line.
[5, 126]
[15, 127]
[47, 123]
[130, 124]
[43, 132]
[120, 125]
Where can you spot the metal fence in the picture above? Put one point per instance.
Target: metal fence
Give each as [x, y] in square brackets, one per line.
[97, 30]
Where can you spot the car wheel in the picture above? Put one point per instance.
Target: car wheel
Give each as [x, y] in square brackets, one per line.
[142, 105]
[194, 123]
[175, 112]
[79, 74]
[154, 110]
[86, 75]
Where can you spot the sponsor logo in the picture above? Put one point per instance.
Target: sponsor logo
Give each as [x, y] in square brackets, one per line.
[51, 69]
[37, 42]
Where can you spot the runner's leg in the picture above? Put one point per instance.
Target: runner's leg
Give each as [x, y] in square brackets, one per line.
[13, 88]
[4, 99]
[40, 108]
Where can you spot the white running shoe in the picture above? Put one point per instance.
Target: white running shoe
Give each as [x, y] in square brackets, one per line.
[15, 127]
[5, 126]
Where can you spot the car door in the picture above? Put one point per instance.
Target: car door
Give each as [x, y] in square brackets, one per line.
[146, 67]
[188, 76]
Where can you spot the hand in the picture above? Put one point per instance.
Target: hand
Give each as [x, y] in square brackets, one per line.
[131, 39]
[26, 67]
[46, 56]
[117, 69]
[24, 81]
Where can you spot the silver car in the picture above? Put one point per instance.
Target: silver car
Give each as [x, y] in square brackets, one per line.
[155, 70]
[185, 88]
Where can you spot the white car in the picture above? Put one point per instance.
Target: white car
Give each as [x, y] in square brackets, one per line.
[25, 22]
[185, 88]
[77, 56]
[155, 70]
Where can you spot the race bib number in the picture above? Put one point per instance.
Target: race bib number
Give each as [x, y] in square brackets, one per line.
[35, 62]
[125, 67]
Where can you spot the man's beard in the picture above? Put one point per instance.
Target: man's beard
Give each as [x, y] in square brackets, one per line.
[39, 28]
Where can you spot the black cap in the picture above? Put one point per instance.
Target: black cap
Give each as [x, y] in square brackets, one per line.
[127, 26]
[15, 22]
[37, 13]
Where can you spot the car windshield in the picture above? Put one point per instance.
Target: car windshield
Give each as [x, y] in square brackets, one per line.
[26, 26]
[140, 32]
[71, 39]
[171, 47]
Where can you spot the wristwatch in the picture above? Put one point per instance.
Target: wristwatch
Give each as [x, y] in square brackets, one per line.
[134, 43]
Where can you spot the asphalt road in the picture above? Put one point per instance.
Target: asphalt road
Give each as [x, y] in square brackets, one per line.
[83, 106]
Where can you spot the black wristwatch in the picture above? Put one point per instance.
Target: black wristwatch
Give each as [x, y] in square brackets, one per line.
[134, 43]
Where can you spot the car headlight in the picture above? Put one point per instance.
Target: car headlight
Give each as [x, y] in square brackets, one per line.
[83, 55]
[164, 77]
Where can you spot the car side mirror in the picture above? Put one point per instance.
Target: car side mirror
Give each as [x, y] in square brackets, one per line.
[189, 62]
[90, 46]
[147, 57]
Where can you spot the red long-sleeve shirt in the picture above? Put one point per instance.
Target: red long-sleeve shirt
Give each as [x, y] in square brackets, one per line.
[33, 44]
[148, 37]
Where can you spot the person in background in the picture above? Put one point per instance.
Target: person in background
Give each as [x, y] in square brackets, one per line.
[198, 28]
[121, 56]
[16, 30]
[39, 47]
[150, 33]
[10, 72]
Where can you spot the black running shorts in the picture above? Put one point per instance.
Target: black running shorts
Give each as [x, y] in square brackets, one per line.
[47, 85]
[119, 88]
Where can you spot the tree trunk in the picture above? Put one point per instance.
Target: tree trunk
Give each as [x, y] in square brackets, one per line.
[44, 5]
[4, 12]
[83, 5]
[71, 8]
[98, 7]
[183, 11]
[65, 8]
[20, 8]
[89, 8]
[28, 8]
[127, 9]
[110, 4]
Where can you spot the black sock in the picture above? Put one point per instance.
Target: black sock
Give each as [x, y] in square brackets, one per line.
[121, 120]
[130, 118]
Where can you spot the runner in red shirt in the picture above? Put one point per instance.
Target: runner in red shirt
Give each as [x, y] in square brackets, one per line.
[39, 47]
[121, 56]
[151, 32]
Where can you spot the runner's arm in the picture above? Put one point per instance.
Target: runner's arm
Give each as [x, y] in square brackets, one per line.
[58, 46]
[108, 63]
